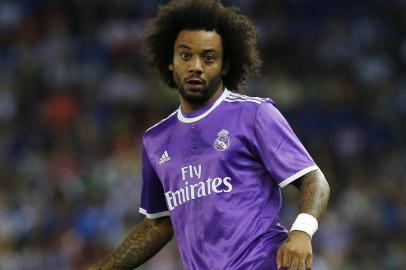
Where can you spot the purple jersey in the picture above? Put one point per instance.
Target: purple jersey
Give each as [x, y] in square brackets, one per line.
[217, 172]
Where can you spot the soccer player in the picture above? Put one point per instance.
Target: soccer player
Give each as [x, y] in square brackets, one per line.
[213, 170]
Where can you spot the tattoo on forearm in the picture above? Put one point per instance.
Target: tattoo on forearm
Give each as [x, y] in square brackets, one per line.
[315, 193]
[142, 243]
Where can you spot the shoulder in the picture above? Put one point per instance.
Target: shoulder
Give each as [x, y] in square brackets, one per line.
[161, 126]
[234, 97]
[249, 103]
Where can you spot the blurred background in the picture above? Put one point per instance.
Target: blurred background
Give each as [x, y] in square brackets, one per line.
[76, 96]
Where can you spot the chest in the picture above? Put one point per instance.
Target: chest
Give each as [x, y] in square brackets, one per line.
[198, 151]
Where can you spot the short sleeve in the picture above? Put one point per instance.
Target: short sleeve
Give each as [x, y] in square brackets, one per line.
[281, 152]
[153, 203]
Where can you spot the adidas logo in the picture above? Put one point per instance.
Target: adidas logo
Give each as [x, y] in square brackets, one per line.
[164, 158]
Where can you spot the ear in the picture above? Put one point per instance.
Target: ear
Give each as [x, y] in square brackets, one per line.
[226, 68]
[170, 67]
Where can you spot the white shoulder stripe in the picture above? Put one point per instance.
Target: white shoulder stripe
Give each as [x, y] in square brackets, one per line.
[243, 100]
[155, 215]
[247, 98]
[163, 120]
[235, 95]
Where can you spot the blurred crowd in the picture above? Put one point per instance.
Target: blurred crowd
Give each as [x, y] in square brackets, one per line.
[76, 95]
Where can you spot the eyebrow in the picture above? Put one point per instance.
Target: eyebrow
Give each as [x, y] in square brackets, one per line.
[183, 46]
[209, 50]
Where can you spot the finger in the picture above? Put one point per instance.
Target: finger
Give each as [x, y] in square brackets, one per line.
[309, 262]
[301, 265]
[294, 263]
[279, 258]
[286, 259]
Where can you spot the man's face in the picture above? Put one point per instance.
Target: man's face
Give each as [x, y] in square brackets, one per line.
[197, 65]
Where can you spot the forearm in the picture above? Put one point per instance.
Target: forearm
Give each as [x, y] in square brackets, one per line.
[314, 194]
[296, 252]
[146, 239]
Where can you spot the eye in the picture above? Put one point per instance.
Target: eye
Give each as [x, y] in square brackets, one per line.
[185, 56]
[209, 58]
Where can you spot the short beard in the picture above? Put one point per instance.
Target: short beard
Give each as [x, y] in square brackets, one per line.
[199, 99]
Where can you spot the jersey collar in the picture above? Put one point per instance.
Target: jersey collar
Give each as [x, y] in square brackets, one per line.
[185, 119]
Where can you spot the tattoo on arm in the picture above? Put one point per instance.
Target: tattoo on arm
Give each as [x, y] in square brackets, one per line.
[143, 242]
[314, 194]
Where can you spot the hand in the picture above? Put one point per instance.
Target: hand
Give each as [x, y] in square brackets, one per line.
[296, 252]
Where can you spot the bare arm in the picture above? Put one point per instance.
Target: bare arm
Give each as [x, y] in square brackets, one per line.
[296, 252]
[314, 194]
[145, 240]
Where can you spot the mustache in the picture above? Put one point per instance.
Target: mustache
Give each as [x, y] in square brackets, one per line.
[194, 76]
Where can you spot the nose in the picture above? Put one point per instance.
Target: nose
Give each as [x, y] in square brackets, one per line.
[195, 66]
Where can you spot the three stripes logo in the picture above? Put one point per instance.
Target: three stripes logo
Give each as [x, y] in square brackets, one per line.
[164, 158]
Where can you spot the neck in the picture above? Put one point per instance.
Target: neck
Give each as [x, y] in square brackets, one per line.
[188, 107]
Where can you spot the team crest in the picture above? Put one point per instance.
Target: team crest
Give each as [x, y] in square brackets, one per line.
[223, 141]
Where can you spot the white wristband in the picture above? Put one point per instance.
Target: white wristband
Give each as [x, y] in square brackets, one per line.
[305, 223]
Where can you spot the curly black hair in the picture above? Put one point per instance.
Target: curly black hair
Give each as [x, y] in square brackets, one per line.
[239, 37]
